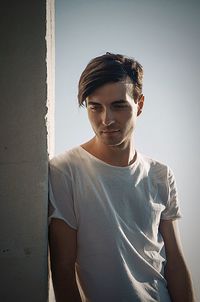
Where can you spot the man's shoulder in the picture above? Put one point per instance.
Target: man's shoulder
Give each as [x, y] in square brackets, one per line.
[154, 166]
[152, 161]
[66, 159]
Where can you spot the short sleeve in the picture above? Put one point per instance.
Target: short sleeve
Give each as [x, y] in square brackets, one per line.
[172, 210]
[61, 203]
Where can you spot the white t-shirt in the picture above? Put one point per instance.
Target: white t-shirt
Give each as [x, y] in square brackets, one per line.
[116, 212]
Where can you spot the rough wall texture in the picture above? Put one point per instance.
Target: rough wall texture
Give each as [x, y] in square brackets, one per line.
[23, 152]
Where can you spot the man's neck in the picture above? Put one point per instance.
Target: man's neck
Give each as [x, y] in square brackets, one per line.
[120, 155]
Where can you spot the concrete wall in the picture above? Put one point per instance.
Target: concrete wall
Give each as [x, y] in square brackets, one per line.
[23, 152]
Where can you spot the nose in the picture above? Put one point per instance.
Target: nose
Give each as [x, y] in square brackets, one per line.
[107, 117]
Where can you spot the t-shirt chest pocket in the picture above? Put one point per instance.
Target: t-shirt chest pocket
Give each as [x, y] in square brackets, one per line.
[140, 210]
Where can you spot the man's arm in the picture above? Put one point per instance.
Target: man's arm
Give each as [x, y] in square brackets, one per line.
[176, 271]
[63, 251]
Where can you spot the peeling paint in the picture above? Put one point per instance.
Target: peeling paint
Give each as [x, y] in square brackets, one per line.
[50, 60]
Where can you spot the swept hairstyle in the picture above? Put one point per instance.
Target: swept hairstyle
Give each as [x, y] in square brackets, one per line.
[110, 68]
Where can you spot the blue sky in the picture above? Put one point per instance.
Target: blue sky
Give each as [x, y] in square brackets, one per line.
[164, 36]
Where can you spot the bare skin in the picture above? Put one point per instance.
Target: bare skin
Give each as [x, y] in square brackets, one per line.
[113, 113]
[176, 271]
[63, 251]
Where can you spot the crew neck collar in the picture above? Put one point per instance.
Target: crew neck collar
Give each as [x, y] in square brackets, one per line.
[109, 165]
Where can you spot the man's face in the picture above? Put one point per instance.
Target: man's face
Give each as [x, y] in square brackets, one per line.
[113, 112]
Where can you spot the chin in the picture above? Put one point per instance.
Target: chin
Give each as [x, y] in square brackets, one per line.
[112, 143]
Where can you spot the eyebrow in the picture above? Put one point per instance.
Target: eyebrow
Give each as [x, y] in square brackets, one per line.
[114, 102]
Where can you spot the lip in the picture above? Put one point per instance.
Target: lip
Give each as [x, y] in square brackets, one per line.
[110, 131]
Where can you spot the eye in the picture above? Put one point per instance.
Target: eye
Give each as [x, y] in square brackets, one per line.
[94, 107]
[120, 105]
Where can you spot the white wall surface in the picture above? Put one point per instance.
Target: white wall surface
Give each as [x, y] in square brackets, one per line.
[164, 36]
[23, 152]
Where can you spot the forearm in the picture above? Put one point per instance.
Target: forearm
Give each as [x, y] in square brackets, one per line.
[65, 286]
[179, 282]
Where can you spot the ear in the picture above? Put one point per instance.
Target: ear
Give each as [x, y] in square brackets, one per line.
[140, 104]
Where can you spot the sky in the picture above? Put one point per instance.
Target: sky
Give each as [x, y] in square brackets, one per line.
[164, 36]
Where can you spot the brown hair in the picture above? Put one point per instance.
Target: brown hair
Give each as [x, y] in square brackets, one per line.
[109, 68]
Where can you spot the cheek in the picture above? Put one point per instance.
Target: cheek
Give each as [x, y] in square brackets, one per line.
[94, 121]
[129, 121]
[127, 117]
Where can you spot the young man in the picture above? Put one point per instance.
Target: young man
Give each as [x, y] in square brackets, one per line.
[113, 235]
